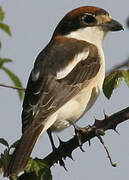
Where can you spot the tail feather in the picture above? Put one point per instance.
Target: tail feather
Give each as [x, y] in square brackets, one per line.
[22, 152]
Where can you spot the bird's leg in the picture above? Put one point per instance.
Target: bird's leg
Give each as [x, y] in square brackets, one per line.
[78, 132]
[51, 139]
[61, 161]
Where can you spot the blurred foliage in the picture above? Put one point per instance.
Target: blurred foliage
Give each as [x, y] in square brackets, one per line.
[41, 169]
[36, 169]
[4, 157]
[15, 79]
[5, 28]
[113, 81]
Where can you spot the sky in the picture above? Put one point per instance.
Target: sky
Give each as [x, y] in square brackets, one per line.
[32, 23]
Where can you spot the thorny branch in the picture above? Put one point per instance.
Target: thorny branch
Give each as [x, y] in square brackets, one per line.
[65, 149]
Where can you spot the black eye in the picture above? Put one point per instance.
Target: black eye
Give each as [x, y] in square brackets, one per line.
[89, 19]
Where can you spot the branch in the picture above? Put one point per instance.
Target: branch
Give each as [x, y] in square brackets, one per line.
[65, 149]
[119, 66]
[13, 87]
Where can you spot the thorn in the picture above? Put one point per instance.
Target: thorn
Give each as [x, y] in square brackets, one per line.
[105, 115]
[70, 156]
[116, 131]
[89, 142]
[61, 162]
[81, 148]
[60, 141]
[65, 168]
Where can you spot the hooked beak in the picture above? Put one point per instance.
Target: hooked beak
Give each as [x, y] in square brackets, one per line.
[113, 25]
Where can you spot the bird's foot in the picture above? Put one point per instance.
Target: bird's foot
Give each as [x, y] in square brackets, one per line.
[78, 132]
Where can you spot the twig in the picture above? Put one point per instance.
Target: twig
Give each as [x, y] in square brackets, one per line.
[13, 87]
[106, 149]
[119, 66]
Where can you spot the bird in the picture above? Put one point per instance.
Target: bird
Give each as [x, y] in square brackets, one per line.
[66, 79]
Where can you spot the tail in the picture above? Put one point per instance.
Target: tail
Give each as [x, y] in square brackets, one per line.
[22, 152]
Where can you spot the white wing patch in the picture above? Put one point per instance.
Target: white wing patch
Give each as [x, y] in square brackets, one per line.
[80, 57]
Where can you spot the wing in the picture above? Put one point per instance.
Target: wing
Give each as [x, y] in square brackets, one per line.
[58, 75]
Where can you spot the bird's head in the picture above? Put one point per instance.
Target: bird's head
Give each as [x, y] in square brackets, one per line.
[86, 23]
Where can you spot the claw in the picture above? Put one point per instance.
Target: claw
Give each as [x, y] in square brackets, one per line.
[100, 132]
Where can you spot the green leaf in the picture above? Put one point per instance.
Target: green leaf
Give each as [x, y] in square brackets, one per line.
[15, 80]
[111, 82]
[41, 169]
[2, 14]
[1, 170]
[126, 76]
[4, 142]
[5, 28]
[5, 158]
[4, 60]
